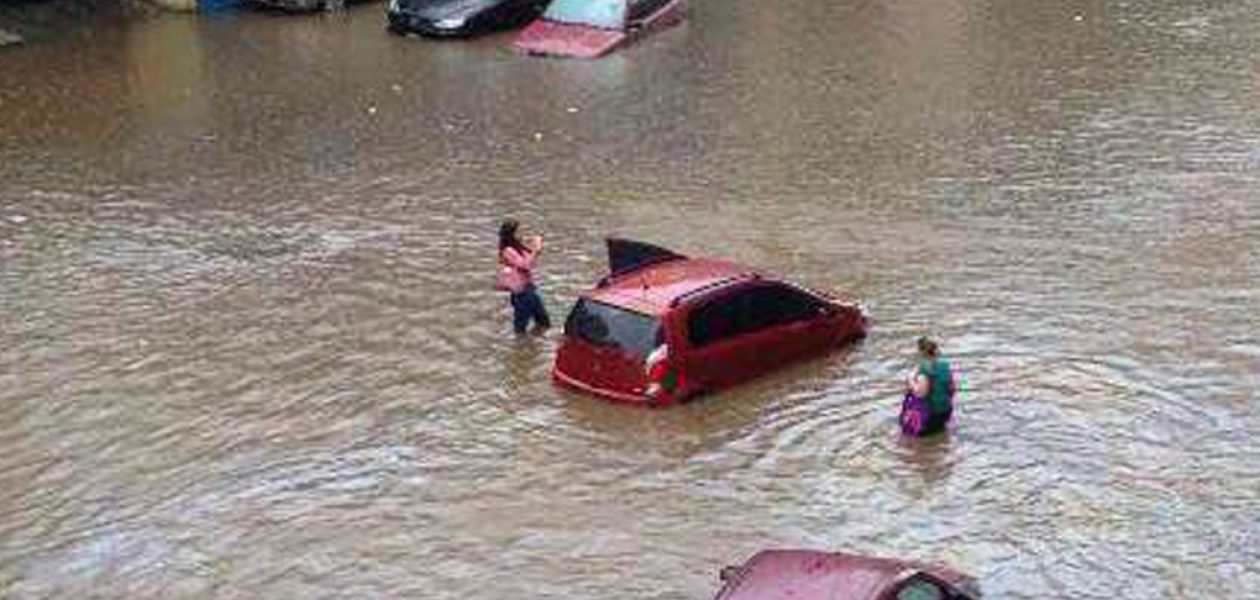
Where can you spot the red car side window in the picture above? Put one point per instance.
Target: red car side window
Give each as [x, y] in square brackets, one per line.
[712, 321]
[783, 304]
[749, 310]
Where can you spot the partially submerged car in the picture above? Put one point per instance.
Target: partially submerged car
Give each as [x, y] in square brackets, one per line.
[592, 28]
[459, 18]
[816, 575]
[662, 328]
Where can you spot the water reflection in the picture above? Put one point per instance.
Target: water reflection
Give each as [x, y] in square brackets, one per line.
[930, 457]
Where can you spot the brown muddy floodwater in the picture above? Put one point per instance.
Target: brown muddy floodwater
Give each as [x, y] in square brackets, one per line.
[251, 347]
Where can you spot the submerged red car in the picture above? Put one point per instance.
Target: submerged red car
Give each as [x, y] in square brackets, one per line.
[662, 328]
[815, 575]
[593, 28]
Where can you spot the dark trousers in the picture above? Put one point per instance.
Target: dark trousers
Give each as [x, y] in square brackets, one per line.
[528, 305]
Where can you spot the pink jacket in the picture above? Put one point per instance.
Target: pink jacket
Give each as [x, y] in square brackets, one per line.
[516, 269]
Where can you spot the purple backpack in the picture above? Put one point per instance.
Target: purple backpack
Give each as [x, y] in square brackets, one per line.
[915, 415]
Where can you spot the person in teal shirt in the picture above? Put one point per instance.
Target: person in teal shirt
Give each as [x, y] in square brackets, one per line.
[929, 402]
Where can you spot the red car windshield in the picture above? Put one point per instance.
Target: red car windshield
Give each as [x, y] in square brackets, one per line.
[608, 326]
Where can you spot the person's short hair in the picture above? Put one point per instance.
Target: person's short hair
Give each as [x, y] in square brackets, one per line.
[928, 347]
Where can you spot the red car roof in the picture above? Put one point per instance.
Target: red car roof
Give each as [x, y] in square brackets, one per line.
[566, 39]
[651, 290]
[808, 575]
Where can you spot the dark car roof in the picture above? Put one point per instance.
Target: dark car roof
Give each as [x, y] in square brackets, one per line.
[653, 289]
[815, 575]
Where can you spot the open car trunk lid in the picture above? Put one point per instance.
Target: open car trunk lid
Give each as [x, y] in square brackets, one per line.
[625, 255]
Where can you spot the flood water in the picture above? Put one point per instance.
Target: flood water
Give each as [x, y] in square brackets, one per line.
[251, 347]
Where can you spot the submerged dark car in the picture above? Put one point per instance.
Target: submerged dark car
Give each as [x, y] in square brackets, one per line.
[460, 18]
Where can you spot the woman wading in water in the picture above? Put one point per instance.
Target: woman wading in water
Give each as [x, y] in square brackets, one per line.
[516, 275]
[929, 400]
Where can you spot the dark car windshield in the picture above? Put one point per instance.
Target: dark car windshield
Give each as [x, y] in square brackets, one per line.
[612, 327]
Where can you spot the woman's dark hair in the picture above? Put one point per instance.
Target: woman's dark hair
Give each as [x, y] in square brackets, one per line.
[507, 235]
[928, 348]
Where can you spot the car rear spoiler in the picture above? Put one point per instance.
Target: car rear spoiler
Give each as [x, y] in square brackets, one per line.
[627, 256]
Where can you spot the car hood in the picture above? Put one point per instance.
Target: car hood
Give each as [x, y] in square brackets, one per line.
[563, 39]
[446, 9]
